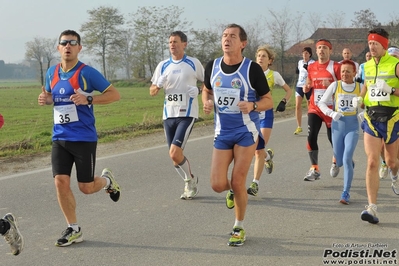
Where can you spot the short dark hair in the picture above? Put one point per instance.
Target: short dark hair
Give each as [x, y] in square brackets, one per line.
[243, 35]
[69, 32]
[379, 31]
[307, 49]
[183, 37]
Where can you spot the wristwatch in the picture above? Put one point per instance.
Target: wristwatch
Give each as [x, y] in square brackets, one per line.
[89, 100]
[393, 90]
[255, 106]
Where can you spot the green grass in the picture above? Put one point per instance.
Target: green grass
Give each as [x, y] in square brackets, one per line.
[28, 126]
[5, 83]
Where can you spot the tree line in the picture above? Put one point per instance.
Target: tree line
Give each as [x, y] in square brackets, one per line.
[135, 43]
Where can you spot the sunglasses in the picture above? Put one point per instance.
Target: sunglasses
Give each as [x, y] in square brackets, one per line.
[71, 42]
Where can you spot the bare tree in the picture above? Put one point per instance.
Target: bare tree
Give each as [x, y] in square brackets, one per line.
[49, 51]
[365, 19]
[205, 45]
[102, 32]
[280, 28]
[41, 50]
[152, 27]
[297, 27]
[336, 19]
[394, 33]
[314, 21]
[123, 54]
[256, 37]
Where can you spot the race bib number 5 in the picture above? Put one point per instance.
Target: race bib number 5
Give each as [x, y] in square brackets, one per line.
[64, 114]
[318, 93]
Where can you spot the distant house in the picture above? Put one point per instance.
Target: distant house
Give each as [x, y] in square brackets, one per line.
[352, 38]
[340, 38]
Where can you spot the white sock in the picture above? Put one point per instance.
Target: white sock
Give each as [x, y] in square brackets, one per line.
[184, 169]
[108, 182]
[256, 181]
[74, 226]
[393, 177]
[267, 156]
[238, 223]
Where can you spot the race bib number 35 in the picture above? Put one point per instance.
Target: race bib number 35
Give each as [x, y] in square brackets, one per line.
[64, 114]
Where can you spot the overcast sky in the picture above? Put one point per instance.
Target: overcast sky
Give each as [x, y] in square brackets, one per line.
[23, 20]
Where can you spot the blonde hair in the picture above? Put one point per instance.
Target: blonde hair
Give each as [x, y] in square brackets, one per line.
[269, 52]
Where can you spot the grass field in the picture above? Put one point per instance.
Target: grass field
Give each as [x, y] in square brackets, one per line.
[28, 126]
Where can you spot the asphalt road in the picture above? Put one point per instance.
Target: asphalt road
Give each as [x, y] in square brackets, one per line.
[290, 222]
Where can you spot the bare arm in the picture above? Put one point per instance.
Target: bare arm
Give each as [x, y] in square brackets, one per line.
[110, 95]
[207, 100]
[307, 86]
[288, 92]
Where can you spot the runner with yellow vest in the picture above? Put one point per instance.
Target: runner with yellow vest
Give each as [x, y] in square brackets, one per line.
[345, 125]
[265, 57]
[381, 100]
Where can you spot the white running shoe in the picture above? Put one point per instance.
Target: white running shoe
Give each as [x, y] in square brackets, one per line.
[190, 188]
[395, 185]
[312, 175]
[383, 170]
[370, 214]
[334, 170]
[13, 237]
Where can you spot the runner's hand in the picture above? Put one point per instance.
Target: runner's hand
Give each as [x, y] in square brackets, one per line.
[192, 91]
[383, 86]
[357, 101]
[281, 106]
[161, 80]
[336, 115]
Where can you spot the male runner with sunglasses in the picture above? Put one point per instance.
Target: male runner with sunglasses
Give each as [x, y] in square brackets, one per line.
[70, 87]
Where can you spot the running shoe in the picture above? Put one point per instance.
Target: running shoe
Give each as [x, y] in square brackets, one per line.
[312, 175]
[237, 237]
[69, 236]
[190, 188]
[383, 170]
[230, 199]
[113, 189]
[370, 214]
[345, 198]
[297, 131]
[334, 170]
[253, 189]
[13, 237]
[269, 163]
[395, 185]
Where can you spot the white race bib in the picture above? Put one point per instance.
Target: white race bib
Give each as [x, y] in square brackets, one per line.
[176, 99]
[64, 114]
[318, 93]
[376, 95]
[227, 100]
[345, 102]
